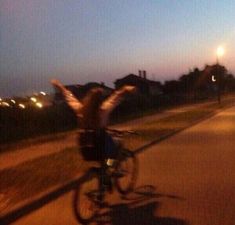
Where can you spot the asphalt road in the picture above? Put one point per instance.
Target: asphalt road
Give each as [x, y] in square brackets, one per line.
[186, 179]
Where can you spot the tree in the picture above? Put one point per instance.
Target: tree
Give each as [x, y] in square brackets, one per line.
[188, 82]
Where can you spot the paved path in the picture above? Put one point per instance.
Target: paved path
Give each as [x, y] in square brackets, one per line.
[186, 179]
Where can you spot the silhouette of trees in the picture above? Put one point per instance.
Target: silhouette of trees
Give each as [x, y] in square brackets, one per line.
[198, 84]
[188, 82]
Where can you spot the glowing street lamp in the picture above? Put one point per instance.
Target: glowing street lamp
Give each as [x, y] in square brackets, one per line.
[219, 53]
[5, 104]
[33, 99]
[42, 93]
[22, 106]
[39, 104]
[13, 101]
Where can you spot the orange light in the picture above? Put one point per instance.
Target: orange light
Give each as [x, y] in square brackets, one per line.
[39, 105]
[5, 104]
[22, 106]
[33, 99]
[43, 93]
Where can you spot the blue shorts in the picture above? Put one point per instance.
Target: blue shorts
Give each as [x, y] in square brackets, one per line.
[97, 145]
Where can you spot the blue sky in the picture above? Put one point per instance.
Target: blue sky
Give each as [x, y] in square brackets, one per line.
[102, 40]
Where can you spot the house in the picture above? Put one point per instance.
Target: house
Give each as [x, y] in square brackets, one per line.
[145, 86]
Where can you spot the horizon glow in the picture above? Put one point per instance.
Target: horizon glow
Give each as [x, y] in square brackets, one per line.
[83, 41]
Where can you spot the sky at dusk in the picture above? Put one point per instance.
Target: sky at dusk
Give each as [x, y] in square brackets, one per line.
[77, 41]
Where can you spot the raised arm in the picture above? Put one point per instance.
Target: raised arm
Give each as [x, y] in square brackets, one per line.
[73, 102]
[115, 99]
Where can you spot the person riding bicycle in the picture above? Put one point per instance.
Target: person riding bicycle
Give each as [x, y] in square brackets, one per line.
[93, 113]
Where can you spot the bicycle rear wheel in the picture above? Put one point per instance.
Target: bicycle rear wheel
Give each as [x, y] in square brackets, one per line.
[86, 200]
[127, 168]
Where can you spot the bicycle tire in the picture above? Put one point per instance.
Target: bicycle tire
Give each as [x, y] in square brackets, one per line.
[84, 205]
[124, 185]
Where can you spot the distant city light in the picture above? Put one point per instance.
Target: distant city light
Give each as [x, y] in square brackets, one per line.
[39, 105]
[22, 106]
[0, 99]
[5, 104]
[43, 93]
[33, 99]
[13, 101]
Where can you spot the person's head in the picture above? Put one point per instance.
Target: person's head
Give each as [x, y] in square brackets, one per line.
[91, 105]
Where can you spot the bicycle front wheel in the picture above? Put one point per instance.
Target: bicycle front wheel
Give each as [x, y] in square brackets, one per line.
[86, 200]
[127, 169]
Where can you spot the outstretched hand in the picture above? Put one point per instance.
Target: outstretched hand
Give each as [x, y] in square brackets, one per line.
[56, 83]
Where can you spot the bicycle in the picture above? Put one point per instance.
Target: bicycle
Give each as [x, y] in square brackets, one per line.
[89, 197]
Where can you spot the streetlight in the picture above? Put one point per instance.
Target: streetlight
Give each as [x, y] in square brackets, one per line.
[33, 99]
[42, 93]
[39, 104]
[219, 54]
[22, 106]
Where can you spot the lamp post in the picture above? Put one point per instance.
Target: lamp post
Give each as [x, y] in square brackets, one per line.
[219, 53]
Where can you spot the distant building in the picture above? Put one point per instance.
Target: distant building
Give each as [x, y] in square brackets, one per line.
[145, 86]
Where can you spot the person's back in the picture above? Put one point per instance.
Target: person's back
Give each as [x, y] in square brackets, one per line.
[93, 115]
[91, 112]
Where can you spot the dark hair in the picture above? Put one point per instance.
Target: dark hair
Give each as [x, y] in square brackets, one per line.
[91, 104]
